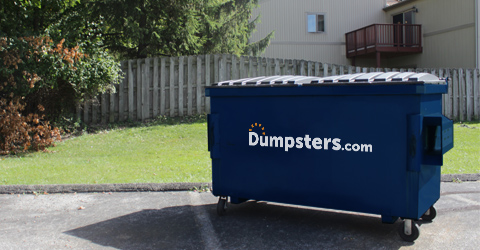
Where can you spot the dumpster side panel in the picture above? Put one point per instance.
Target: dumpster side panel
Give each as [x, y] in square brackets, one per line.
[323, 149]
[343, 178]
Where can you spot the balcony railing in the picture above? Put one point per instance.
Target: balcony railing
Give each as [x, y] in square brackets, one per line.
[393, 38]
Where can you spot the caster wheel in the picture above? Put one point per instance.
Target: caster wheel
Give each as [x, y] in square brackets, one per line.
[222, 206]
[409, 231]
[430, 214]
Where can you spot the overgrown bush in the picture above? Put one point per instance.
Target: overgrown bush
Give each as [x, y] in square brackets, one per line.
[19, 132]
[50, 74]
[37, 74]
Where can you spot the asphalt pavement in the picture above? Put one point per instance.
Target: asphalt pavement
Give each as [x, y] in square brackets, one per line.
[188, 220]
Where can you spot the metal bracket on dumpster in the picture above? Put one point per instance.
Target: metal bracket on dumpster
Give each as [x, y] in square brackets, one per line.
[213, 135]
[437, 138]
[429, 137]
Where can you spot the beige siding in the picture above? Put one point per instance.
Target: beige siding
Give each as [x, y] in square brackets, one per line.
[288, 19]
[448, 34]
[448, 29]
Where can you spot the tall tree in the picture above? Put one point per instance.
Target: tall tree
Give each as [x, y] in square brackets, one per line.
[228, 25]
[137, 29]
[31, 17]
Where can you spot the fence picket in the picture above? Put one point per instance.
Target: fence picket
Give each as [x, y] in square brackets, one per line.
[181, 75]
[104, 108]
[243, 70]
[449, 113]
[302, 68]
[155, 87]
[469, 94]
[250, 67]
[112, 107]
[190, 86]
[462, 95]
[163, 79]
[216, 67]
[207, 81]
[94, 110]
[139, 89]
[259, 66]
[444, 96]
[146, 89]
[172, 87]
[277, 67]
[130, 90]
[234, 68]
[476, 94]
[223, 68]
[198, 87]
[121, 95]
[85, 111]
[456, 98]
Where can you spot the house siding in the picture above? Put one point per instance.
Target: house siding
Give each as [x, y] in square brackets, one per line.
[292, 41]
[448, 29]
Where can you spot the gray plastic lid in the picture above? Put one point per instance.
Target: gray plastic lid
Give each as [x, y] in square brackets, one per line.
[358, 78]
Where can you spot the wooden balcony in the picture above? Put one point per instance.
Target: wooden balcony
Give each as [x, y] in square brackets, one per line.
[395, 39]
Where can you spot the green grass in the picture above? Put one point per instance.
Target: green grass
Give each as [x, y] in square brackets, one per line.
[152, 154]
[464, 158]
[164, 153]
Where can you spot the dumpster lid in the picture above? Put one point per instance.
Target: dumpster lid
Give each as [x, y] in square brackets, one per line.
[357, 78]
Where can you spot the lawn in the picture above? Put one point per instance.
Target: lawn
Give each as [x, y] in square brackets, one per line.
[164, 153]
[149, 154]
[464, 158]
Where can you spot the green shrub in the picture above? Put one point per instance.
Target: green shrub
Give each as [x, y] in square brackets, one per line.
[37, 74]
[51, 74]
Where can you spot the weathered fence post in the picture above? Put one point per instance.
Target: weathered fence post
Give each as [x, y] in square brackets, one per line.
[208, 81]
[199, 95]
[181, 75]
[155, 87]
[163, 79]
[139, 89]
[190, 86]
[121, 95]
[172, 86]
[476, 94]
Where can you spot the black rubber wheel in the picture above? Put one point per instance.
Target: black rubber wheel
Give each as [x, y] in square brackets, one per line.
[222, 206]
[431, 215]
[411, 237]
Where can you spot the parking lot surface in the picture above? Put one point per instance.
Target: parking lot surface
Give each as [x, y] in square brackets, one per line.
[188, 220]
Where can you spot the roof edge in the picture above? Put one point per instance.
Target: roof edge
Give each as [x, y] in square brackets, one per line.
[399, 4]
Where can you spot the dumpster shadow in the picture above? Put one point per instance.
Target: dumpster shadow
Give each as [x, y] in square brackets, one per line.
[250, 225]
[167, 228]
[278, 226]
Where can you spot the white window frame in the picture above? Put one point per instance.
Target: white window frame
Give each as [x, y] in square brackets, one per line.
[316, 14]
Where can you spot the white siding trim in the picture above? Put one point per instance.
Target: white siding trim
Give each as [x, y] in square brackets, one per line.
[459, 27]
[305, 43]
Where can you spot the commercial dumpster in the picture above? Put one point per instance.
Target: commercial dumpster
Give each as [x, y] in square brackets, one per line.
[367, 142]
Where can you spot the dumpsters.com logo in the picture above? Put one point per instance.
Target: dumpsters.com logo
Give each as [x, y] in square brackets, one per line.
[257, 137]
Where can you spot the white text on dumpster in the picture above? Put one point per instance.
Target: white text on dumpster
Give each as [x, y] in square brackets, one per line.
[310, 143]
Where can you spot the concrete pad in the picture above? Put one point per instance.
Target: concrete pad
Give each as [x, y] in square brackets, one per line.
[188, 220]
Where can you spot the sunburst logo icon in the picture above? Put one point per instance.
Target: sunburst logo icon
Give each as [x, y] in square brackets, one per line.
[257, 125]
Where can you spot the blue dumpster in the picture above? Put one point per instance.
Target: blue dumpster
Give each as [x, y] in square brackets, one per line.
[367, 142]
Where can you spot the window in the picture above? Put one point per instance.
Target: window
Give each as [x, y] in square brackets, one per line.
[315, 23]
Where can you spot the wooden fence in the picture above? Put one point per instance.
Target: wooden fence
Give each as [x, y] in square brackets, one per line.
[176, 86]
